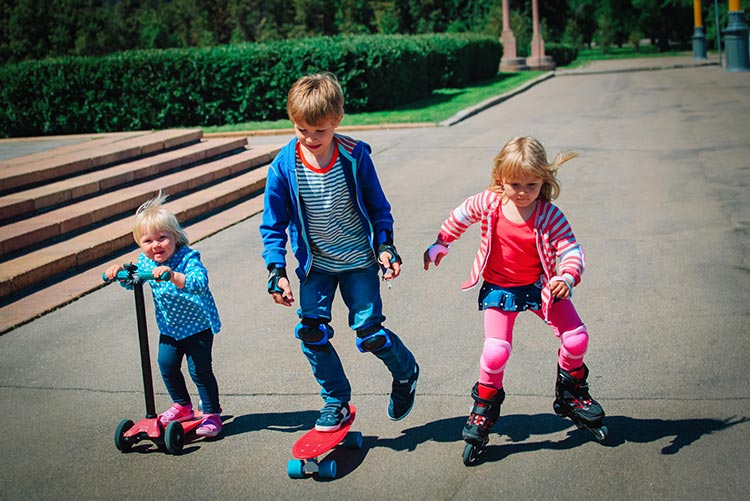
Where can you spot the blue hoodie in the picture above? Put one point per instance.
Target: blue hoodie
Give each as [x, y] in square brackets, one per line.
[283, 208]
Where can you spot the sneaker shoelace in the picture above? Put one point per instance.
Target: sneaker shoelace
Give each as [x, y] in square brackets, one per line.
[332, 409]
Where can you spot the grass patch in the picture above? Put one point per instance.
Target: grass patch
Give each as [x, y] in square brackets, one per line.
[441, 105]
[585, 56]
[444, 103]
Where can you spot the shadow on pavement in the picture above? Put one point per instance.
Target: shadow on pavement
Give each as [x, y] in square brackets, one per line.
[517, 428]
[286, 422]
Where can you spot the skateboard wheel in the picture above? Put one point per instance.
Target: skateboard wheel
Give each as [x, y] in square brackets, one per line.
[327, 469]
[295, 468]
[353, 440]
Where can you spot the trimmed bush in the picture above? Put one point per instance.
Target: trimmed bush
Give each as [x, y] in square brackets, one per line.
[157, 89]
[563, 54]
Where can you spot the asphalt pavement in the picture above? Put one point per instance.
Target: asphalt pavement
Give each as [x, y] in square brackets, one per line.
[659, 200]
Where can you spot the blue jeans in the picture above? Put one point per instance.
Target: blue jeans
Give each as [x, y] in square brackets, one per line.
[360, 290]
[197, 349]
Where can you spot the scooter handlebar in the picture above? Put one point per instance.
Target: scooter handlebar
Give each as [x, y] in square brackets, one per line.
[124, 275]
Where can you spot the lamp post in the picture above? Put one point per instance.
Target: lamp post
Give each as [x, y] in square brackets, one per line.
[735, 39]
[699, 37]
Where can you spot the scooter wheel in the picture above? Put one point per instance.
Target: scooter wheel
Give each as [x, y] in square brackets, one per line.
[174, 437]
[123, 444]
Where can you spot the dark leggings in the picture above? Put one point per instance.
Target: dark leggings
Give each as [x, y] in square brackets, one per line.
[197, 349]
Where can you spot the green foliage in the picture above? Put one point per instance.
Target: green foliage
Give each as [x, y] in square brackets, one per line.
[635, 40]
[523, 30]
[38, 29]
[604, 35]
[563, 54]
[222, 85]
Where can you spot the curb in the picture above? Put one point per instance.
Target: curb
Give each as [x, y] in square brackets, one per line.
[488, 103]
[584, 71]
[344, 128]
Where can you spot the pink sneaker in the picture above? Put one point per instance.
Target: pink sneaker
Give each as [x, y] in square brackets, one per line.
[177, 413]
[210, 426]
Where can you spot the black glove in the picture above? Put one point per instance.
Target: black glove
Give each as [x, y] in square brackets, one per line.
[274, 274]
[391, 249]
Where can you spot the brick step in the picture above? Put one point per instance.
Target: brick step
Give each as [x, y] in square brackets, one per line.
[33, 200]
[70, 218]
[47, 166]
[27, 271]
[69, 288]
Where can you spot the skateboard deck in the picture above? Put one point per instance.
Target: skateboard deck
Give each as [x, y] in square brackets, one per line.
[315, 443]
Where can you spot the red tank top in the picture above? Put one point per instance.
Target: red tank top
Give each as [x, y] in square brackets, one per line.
[514, 259]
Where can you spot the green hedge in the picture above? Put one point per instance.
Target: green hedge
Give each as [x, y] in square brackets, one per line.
[140, 90]
[561, 53]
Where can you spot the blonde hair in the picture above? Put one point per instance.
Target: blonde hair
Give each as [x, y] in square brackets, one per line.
[153, 216]
[315, 98]
[525, 157]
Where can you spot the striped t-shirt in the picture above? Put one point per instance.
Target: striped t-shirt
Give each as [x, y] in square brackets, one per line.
[337, 238]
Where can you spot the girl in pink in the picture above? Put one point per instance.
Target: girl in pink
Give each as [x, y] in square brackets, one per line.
[528, 259]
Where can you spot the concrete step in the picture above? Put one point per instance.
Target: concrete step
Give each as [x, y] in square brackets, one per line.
[46, 166]
[38, 266]
[69, 218]
[34, 200]
[74, 285]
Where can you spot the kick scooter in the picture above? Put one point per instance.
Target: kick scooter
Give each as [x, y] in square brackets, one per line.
[128, 433]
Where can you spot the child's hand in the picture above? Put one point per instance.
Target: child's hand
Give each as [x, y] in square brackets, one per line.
[284, 298]
[278, 286]
[434, 254]
[561, 287]
[161, 270]
[390, 261]
[559, 290]
[175, 277]
[111, 272]
[392, 270]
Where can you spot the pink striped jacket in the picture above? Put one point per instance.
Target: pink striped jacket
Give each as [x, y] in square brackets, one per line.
[554, 239]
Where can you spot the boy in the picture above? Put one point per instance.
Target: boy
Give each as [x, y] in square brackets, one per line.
[322, 188]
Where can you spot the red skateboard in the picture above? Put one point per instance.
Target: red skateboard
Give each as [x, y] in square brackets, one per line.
[315, 443]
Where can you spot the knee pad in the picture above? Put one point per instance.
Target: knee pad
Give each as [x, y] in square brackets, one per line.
[313, 332]
[575, 343]
[495, 355]
[373, 339]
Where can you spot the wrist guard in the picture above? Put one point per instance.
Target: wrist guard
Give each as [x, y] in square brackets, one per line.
[436, 249]
[274, 274]
[390, 249]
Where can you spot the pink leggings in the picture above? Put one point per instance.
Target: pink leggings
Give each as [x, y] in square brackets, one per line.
[498, 340]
